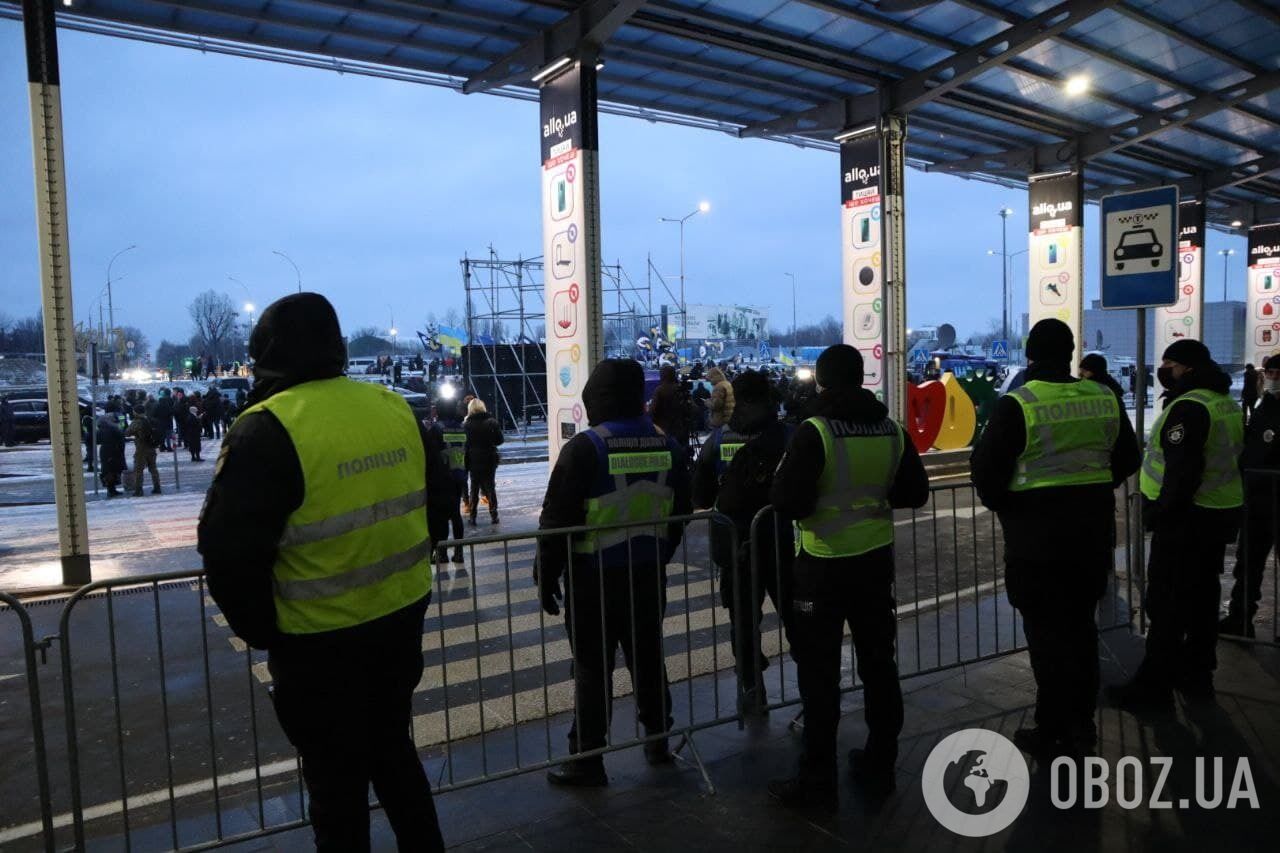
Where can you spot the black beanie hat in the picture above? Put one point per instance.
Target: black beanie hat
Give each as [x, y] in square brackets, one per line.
[1050, 340]
[751, 387]
[1189, 353]
[1094, 363]
[1271, 363]
[840, 366]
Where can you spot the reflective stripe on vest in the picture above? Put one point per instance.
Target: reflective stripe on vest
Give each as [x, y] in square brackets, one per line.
[1221, 486]
[455, 450]
[358, 547]
[637, 502]
[1071, 428]
[853, 515]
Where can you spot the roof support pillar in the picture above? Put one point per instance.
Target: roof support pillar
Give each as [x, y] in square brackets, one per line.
[55, 277]
[872, 225]
[1055, 250]
[570, 244]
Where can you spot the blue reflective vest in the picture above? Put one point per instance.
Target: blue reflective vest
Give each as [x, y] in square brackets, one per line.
[633, 468]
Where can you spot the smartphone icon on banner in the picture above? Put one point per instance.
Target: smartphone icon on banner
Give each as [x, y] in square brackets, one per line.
[864, 230]
[560, 196]
[1268, 282]
[1053, 253]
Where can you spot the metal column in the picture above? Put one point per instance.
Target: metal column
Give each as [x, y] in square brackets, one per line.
[894, 160]
[55, 274]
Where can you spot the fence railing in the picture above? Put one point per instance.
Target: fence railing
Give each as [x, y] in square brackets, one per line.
[168, 738]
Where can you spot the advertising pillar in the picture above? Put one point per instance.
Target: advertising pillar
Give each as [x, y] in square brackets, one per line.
[55, 287]
[871, 226]
[570, 245]
[1185, 318]
[1262, 324]
[1055, 252]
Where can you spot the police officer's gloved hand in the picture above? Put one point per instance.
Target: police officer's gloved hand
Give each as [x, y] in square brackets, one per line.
[548, 588]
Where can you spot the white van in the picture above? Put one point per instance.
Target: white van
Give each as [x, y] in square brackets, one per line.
[360, 366]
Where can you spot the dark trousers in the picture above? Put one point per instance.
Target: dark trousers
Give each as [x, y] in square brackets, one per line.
[830, 593]
[1058, 602]
[348, 712]
[482, 480]
[144, 460]
[628, 613]
[1182, 598]
[1257, 538]
[743, 597]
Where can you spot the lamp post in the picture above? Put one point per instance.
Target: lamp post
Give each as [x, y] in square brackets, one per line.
[248, 307]
[111, 312]
[1006, 260]
[702, 207]
[792, 276]
[1226, 253]
[394, 332]
[296, 271]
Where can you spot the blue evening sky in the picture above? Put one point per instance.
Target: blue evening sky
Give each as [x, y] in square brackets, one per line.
[377, 188]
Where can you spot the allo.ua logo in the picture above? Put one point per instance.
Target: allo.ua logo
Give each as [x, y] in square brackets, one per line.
[975, 782]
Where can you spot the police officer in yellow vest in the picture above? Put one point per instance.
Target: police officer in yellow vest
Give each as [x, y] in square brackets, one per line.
[1192, 496]
[1048, 463]
[621, 469]
[845, 471]
[316, 537]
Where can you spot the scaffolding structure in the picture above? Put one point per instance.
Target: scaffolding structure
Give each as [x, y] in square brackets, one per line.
[505, 358]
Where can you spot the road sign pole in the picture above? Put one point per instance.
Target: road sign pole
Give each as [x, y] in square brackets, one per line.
[1140, 380]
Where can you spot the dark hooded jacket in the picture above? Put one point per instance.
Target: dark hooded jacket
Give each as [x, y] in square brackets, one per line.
[110, 448]
[1053, 526]
[565, 504]
[795, 485]
[484, 435]
[1182, 437]
[258, 481]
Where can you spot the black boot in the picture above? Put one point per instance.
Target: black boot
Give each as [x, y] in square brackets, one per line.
[1141, 696]
[457, 556]
[657, 752]
[579, 773]
[1042, 743]
[873, 771]
[1235, 625]
[472, 520]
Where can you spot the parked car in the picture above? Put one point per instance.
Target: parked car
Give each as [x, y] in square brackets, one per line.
[229, 386]
[418, 402]
[31, 417]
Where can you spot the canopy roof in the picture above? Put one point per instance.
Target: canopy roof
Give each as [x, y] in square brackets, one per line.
[1178, 90]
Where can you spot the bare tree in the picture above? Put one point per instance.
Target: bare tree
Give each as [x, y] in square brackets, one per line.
[214, 317]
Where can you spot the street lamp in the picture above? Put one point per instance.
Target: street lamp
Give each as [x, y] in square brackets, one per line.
[703, 207]
[792, 276]
[297, 271]
[111, 312]
[394, 331]
[1226, 253]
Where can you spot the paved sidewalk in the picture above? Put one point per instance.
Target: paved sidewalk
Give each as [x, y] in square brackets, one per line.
[668, 809]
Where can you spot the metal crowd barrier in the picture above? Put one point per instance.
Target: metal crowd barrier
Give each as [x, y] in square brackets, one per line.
[169, 741]
[1247, 584]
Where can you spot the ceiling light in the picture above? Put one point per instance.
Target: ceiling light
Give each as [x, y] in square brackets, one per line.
[551, 69]
[1077, 85]
[850, 134]
[1236, 223]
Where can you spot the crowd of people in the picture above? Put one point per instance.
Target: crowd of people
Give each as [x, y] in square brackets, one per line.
[161, 422]
[317, 547]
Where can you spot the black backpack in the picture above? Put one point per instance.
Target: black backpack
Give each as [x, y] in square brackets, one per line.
[154, 433]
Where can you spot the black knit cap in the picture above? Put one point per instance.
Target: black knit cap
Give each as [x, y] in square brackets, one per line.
[1050, 340]
[1188, 353]
[1095, 363]
[1271, 363]
[840, 366]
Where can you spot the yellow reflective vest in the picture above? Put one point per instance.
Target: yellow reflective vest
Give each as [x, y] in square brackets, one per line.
[1071, 430]
[358, 547]
[1221, 486]
[853, 515]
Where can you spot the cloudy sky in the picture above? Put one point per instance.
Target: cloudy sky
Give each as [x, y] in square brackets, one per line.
[377, 188]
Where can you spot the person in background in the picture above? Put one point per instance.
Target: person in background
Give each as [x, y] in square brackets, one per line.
[144, 432]
[111, 461]
[1094, 366]
[6, 422]
[193, 428]
[1056, 448]
[1249, 390]
[484, 435]
[306, 561]
[669, 406]
[845, 471]
[734, 475]
[1260, 467]
[213, 411]
[720, 406]
[616, 579]
[1192, 494]
[454, 439]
